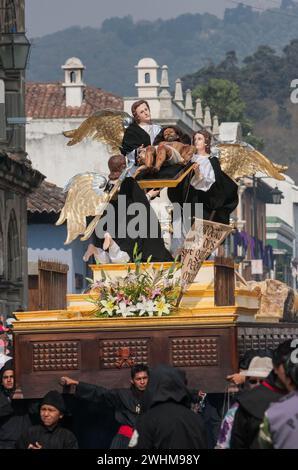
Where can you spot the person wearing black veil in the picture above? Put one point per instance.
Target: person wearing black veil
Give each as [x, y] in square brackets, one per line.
[208, 185]
[149, 242]
[140, 133]
[168, 422]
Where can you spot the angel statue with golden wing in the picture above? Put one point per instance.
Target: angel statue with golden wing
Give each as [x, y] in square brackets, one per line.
[90, 194]
[213, 182]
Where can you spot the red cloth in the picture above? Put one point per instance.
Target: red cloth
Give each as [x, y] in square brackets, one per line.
[126, 431]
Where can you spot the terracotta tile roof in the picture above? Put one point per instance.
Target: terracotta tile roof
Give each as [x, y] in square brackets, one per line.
[47, 100]
[47, 198]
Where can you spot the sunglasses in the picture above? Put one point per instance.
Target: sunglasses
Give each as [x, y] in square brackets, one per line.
[254, 381]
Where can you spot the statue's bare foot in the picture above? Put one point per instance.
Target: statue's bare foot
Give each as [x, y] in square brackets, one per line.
[91, 250]
[107, 241]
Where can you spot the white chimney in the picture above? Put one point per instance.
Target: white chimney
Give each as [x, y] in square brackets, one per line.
[147, 85]
[73, 82]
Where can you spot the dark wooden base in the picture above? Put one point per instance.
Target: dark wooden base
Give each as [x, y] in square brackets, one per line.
[207, 354]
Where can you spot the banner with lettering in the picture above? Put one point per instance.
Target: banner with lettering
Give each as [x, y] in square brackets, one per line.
[202, 239]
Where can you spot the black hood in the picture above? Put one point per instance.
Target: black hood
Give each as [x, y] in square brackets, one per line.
[166, 384]
[7, 366]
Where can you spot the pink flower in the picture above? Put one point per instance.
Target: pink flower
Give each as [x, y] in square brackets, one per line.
[155, 293]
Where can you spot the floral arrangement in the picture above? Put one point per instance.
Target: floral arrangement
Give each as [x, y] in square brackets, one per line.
[144, 291]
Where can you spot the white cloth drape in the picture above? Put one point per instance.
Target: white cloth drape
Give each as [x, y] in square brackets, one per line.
[206, 178]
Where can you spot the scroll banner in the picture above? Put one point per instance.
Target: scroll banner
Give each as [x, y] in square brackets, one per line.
[202, 239]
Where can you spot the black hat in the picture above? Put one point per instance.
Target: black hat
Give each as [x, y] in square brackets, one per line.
[55, 399]
[7, 366]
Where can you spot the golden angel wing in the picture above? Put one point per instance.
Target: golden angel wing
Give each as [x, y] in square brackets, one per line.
[238, 160]
[106, 126]
[85, 196]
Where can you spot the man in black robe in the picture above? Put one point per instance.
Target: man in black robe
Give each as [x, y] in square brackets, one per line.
[127, 402]
[14, 414]
[49, 434]
[212, 188]
[169, 423]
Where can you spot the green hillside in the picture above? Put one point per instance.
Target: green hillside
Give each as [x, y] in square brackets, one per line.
[264, 83]
[185, 44]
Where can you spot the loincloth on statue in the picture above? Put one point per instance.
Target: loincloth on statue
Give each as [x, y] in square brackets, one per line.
[175, 157]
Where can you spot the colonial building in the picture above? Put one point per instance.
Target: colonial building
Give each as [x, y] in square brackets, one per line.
[249, 244]
[49, 259]
[178, 110]
[282, 230]
[52, 108]
[17, 177]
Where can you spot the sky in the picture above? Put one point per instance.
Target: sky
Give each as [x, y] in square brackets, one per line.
[48, 16]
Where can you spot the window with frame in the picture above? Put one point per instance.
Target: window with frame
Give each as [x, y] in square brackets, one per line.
[9, 13]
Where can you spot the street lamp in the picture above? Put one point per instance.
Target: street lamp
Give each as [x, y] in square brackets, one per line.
[276, 195]
[14, 51]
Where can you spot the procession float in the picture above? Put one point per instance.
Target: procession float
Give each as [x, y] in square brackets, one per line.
[196, 312]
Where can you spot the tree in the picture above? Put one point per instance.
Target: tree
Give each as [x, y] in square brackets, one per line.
[223, 97]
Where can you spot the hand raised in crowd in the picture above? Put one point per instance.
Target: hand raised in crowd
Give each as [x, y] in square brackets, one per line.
[36, 445]
[236, 379]
[68, 381]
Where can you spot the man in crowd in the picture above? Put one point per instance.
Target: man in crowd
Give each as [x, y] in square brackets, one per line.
[254, 403]
[127, 402]
[280, 426]
[169, 423]
[14, 415]
[49, 434]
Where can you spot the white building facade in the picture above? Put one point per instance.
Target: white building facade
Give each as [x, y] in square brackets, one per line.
[178, 110]
[52, 108]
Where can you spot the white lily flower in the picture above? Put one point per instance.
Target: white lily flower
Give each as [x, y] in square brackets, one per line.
[162, 307]
[126, 310]
[146, 306]
[109, 306]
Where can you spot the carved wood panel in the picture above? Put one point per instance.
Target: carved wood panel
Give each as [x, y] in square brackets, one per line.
[194, 351]
[260, 337]
[118, 353]
[58, 355]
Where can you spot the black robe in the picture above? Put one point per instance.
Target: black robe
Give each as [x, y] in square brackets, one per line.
[127, 403]
[14, 420]
[49, 438]
[134, 137]
[169, 423]
[148, 245]
[222, 197]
